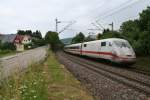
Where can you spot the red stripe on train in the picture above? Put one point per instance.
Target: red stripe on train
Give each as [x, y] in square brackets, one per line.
[104, 53]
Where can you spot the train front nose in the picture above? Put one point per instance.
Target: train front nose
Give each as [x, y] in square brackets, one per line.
[127, 60]
[127, 55]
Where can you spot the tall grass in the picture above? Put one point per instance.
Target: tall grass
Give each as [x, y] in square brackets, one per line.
[6, 52]
[31, 85]
[47, 81]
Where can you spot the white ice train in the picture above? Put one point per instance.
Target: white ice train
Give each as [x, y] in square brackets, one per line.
[113, 49]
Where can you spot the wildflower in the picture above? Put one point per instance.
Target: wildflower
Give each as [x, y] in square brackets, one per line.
[32, 91]
[34, 83]
[35, 96]
[44, 72]
[10, 86]
[21, 92]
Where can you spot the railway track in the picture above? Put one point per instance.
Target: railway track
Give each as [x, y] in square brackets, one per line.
[140, 84]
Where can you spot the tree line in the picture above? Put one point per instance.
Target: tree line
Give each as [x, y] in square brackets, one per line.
[137, 32]
[51, 38]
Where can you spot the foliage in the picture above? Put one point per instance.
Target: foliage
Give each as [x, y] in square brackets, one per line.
[37, 39]
[89, 38]
[7, 49]
[37, 42]
[144, 20]
[7, 46]
[31, 85]
[0, 42]
[52, 38]
[27, 46]
[78, 38]
[137, 32]
[63, 84]
[99, 35]
[130, 30]
[4, 53]
[66, 41]
[111, 34]
[22, 32]
[144, 62]
[106, 31]
[43, 82]
[37, 34]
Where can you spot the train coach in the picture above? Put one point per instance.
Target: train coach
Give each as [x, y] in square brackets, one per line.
[113, 49]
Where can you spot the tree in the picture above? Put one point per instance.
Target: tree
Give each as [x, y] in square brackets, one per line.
[106, 31]
[111, 34]
[28, 32]
[37, 34]
[78, 38]
[89, 38]
[137, 32]
[99, 35]
[130, 30]
[7, 46]
[38, 42]
[0, 44]
[144, 19]
[22, 32]
[52, 38]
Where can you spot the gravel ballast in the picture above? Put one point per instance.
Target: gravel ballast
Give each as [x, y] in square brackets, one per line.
[101, 87]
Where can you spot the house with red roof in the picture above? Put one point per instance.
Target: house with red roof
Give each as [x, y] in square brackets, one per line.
[21, 40]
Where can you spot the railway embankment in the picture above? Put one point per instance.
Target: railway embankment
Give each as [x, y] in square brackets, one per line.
[143, 64]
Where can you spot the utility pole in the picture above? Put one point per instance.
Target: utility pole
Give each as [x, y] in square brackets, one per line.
[112, 26]
[57, 22]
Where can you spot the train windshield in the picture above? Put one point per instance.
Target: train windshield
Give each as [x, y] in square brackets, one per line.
[122, 44]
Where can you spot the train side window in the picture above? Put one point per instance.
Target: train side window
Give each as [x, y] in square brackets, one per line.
[103, 43]
[85, 45]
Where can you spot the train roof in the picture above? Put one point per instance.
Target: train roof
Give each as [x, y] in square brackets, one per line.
[109, 39]
[73, 45]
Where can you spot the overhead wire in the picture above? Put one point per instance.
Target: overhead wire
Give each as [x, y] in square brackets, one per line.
[117, 7]
[119, 10]
[122, 8]
[112, 11]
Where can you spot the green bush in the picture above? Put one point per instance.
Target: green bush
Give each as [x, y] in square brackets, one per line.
[111, 34]
[38, 42]
[5, 51]
[7, 46]
[52, 38]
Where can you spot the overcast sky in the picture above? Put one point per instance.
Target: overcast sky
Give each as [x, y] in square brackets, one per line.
[41, 14]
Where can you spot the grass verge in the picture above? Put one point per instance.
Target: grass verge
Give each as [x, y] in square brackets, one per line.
[4, 53]
[143, 63]
[47, 81]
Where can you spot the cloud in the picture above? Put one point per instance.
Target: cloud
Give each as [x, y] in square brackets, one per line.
[41, 14]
